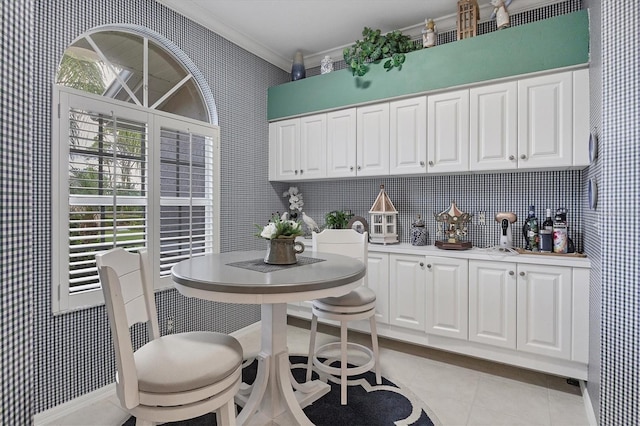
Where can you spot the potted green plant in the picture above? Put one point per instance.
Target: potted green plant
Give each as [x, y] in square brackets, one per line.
[337, 219]
[375, 46]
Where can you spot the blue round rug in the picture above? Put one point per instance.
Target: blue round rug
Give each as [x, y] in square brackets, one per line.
[369, 404]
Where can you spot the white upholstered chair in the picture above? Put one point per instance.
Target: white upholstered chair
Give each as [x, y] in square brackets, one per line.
[356, 305]
[173, 377]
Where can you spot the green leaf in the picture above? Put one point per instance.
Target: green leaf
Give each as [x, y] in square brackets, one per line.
[388, 65]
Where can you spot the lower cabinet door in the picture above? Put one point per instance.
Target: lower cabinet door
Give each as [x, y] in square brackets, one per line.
[378, 281]
[447, 312]
[492, 303]
[544, 310]
[407, 275]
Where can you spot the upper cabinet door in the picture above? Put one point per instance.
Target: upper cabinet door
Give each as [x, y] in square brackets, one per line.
[493, 136]
[284, 141]
[408, 136]
[545, 121]
[313, 147]
[372, 136]
[448, 132]
[341, 143]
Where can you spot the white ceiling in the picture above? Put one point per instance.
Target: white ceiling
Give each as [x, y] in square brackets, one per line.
[275, 29]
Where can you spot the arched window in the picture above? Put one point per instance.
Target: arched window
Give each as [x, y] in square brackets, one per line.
[136, 150]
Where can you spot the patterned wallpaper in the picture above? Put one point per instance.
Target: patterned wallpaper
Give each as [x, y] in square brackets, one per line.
[47, 360]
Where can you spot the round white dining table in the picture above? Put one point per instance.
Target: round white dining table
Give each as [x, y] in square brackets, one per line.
[242, 277]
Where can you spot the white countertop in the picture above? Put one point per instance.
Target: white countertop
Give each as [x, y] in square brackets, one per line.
[477, 253]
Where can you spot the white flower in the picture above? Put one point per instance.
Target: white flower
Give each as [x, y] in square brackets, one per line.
[294, 225]
[268, 231]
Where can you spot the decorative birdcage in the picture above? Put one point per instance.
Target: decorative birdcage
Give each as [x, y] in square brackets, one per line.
[383, 224]
[468, 16]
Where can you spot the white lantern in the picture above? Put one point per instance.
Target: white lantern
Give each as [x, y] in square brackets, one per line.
[383, 223]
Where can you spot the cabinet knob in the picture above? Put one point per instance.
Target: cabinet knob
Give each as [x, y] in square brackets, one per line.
[511, 273]
[301, 171]
[511, 157]
[351, 168]
[431, 163]
[295, 172]
[429, 265]
[421, 263]
[523, 157]
[422, 164]
[359, 168]
[522, 274]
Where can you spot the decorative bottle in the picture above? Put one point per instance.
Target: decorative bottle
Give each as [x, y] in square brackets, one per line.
[418, 233]
[560, 238]
[532, 230]
[297, 68]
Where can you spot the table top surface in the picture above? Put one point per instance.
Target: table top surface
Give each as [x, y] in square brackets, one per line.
[212, 272]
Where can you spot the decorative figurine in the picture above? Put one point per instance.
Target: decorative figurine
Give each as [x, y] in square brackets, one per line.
[326, 65]
[455, 228]
[429, 33]
[500, 13]
[383, 220]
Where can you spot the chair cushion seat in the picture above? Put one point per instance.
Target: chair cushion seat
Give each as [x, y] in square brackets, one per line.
[186, 361]
[358, 297]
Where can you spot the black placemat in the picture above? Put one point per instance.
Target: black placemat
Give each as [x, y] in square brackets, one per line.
[259, 265]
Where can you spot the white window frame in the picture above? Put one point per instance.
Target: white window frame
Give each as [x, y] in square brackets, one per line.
[62, 299]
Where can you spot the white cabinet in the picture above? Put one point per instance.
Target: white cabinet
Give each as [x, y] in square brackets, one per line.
[523, 307]
[407, 275]
[448, 132]
[341, 143]
[408, 136]
[372, 140]
[447, 297]
[298, 148]
[492, 303]
[544, 310]
[545, 121]
[378, 281]
[493, 127]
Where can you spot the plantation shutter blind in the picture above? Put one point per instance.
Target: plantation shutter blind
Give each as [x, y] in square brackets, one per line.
[187, 189]
[108, 189]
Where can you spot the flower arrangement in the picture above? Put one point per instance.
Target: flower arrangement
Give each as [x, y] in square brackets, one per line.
[295, 198]
[280, 228]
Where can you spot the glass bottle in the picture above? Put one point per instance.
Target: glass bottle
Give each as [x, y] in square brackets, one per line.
[560, 238]
[533, 234]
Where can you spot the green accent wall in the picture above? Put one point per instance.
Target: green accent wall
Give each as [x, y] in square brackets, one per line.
[543, 45]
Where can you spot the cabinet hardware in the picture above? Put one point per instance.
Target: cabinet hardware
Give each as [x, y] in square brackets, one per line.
[522, 274]
[431, 163]
[301, 171]
[511, 273]
[523, 157]
[351, 168]
[511, 157]
[295, 172]
[429, 265]
[421, 264]
[359, 168]
[422, 163]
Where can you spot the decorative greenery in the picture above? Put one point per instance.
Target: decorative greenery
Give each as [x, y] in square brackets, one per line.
[374, 46]
[337, 219]
[279, 228]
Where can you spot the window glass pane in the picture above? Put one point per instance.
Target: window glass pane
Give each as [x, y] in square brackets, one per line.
[185, 102]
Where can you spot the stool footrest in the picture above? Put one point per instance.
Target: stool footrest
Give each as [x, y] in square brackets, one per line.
[351, 371]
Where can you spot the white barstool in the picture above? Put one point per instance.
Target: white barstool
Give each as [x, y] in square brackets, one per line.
[357, 305]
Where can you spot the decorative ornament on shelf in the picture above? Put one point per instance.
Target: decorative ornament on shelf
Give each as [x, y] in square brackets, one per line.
[468, 17]
[297, 68]
[282, 247]
[452, 222]
[429, 33]
[326, 65]
[418, 232]
[500, 13]
[384, 218]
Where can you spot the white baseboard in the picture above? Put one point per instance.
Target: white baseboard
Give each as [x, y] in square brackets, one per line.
[59, 411]
[591, 415]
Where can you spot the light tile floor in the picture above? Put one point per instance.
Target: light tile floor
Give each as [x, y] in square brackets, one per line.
[460, 390]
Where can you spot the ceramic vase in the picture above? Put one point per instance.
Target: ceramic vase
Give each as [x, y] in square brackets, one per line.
[282, 251]
[326, 65]
[297, 69]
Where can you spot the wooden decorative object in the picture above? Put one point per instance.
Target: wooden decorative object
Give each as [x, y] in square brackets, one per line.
[468, 16]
